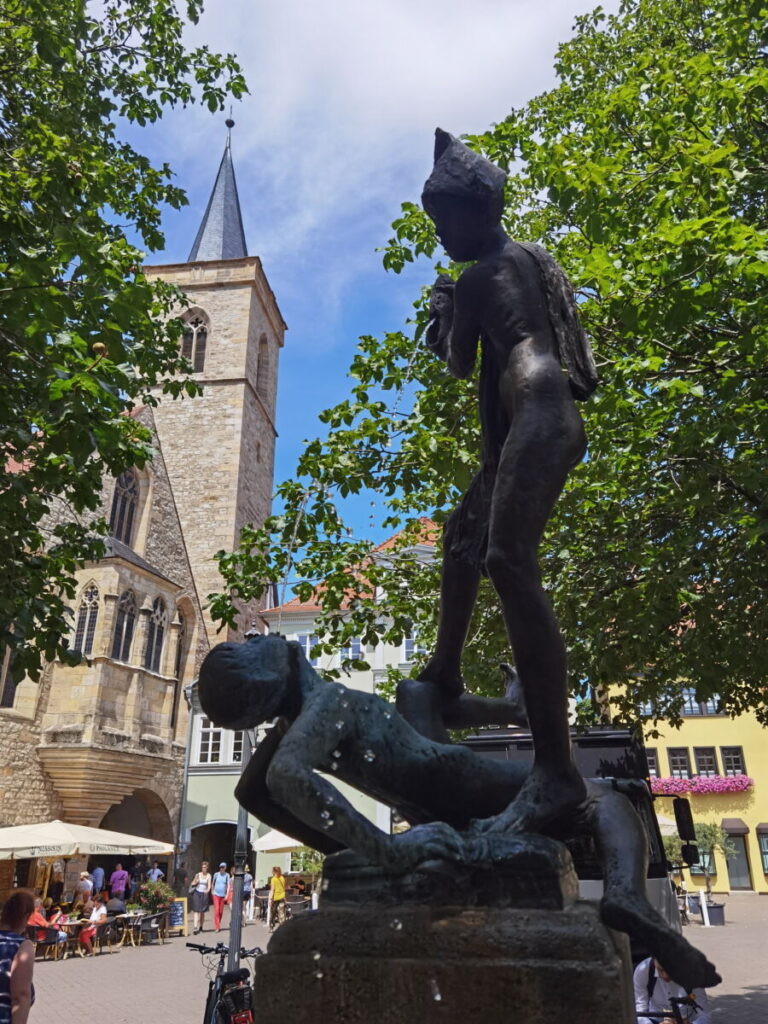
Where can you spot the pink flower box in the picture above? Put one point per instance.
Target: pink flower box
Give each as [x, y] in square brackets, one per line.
[670, 786]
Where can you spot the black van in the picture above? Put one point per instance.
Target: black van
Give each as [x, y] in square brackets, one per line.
[600, 753]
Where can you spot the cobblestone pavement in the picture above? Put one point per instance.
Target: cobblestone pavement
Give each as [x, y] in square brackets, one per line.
[148, 985]
[739, 952]
[167, 984]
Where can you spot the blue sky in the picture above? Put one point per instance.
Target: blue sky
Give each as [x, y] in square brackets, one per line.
[337, 131]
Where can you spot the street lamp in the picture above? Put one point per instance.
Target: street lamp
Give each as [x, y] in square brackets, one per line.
[241, 856]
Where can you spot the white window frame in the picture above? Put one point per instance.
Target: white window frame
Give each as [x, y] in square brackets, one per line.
[355, 649]
[230, 745]
[308, 641]
[416, 648]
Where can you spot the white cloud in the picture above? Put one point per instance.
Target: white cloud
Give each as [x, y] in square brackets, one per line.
[344, 98]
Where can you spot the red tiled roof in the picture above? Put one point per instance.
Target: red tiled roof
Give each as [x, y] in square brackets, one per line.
[426, 535]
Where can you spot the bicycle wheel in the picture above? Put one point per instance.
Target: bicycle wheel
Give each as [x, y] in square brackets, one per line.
[212, 1015]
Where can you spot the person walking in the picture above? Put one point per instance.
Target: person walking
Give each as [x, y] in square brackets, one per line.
[98, 879]
[84, 888]
[118, 882]
[277, 896]
[247, 890]
[200, 891]
[220, 889]
[17, 958]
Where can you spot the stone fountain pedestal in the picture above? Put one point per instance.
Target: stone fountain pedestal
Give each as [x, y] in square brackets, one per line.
[500, 941]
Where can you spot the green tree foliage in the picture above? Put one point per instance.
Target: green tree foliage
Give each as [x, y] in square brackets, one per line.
[673, 850]
[84, 334]
[307, 861]
[711, 837]
[644, 172]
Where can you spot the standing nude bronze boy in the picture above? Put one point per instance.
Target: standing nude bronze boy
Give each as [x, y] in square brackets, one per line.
[535, 359]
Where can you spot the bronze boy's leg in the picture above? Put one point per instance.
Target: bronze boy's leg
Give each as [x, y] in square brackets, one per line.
[623, 849]
[546, 440]
[458, 592]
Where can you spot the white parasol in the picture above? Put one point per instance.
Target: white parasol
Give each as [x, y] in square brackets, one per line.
[61, 839]
[276, 842]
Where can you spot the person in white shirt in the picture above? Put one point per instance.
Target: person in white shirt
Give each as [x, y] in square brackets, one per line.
[97, 915]
[655, 990]
[155, 873]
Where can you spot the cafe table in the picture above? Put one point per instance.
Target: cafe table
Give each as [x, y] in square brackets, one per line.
[73, 928]
[130, 924]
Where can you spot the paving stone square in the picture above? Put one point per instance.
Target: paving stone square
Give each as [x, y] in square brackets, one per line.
[168, 985]
[158, 984]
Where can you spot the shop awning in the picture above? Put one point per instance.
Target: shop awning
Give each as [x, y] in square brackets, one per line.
[762, 828]
[275, 842]
[61, 839]
[734, 826]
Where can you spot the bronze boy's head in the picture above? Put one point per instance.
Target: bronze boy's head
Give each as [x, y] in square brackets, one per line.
[244, 685]
[464, 196]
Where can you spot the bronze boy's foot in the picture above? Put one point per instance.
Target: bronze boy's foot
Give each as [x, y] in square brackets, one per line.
[447, 678]
[545, 801]
[631, 914]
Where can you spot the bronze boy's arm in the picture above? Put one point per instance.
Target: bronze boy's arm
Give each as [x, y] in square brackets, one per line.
[294, 783]
[456, 310]
[330, 718]
[252, 792]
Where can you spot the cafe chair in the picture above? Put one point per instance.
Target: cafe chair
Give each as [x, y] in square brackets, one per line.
[152, 928]
[106, 934]
[48, 944]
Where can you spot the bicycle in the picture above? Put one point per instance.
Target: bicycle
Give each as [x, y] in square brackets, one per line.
[230, 993]
[673, 1013]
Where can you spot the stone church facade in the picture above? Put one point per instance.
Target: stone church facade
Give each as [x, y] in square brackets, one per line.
[104, 743]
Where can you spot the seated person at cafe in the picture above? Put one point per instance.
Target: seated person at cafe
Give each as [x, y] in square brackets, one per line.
[115, 905]
[299, 887]
[57, 917]
[97, 914]
[41, 922]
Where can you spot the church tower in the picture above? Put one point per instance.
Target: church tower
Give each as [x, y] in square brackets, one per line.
[219, 447]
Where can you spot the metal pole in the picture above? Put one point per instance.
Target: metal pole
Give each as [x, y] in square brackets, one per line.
[193, 704]
[241, 860]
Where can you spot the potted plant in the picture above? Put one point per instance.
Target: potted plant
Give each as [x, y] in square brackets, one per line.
[674, 854]
[711, 837]
[155, 897]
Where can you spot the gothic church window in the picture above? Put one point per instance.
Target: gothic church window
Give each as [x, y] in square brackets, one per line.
[178, 669]
[85, 627]
[124, 504]
[125, 623]
[194, 341]
[155, 636]
[7, 685]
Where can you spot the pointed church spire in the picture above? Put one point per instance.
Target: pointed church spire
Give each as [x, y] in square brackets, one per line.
[221, 235]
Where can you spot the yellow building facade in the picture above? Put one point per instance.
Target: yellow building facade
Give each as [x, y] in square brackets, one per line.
[721, 764]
